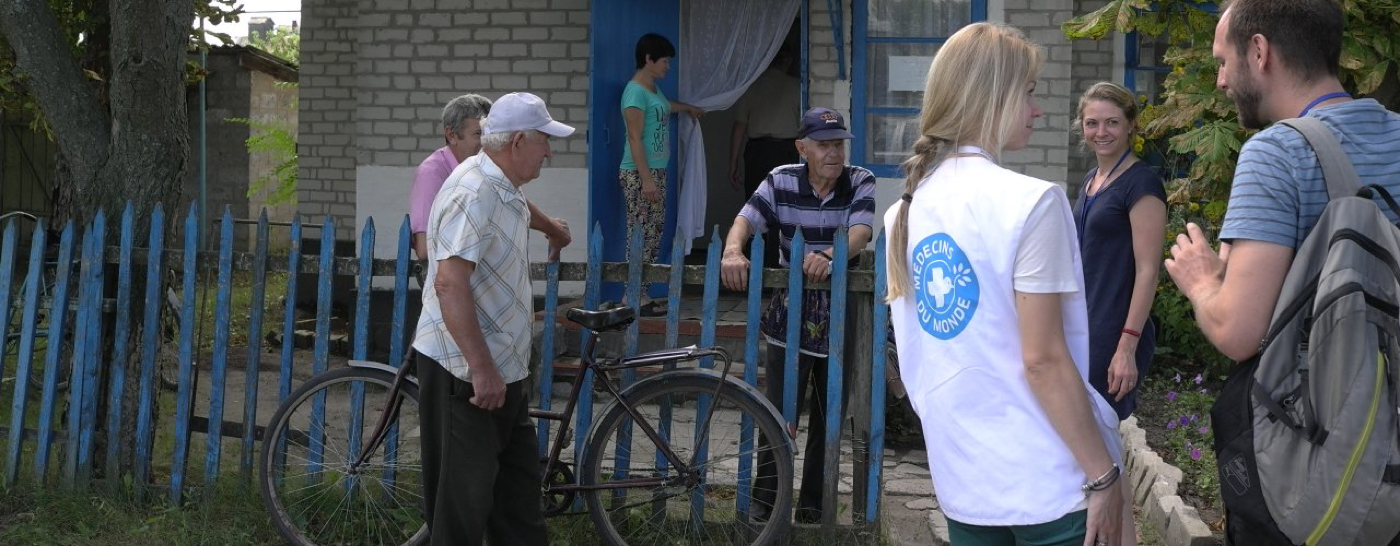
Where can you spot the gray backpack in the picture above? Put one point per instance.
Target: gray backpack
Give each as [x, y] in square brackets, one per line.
[1307, 435]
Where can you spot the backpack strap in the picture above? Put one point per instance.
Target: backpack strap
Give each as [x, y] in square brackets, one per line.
[1336, 166]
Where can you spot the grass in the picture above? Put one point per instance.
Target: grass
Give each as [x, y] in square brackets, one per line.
[240, 305]
[29, 515]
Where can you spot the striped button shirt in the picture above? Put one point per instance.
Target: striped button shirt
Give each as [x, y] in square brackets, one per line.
[481, 217]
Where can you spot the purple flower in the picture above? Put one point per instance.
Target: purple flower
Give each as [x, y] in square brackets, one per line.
[1203, 430]
[1194, 417]
[1199, 379]
[1171, 424]
[1177, 378]
[1196, 454]
[1184, 420]
[1203, 390]
[1171, 396]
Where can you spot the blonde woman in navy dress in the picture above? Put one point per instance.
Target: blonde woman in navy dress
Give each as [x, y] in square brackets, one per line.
[1121, 218]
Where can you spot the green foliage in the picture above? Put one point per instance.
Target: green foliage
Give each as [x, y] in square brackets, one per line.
[1188, 404]
[284, 42]
[85, 25]
[1192, 128]
[278, 140]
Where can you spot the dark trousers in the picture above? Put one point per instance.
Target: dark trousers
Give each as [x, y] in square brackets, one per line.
[761, 156]
[481, 472]
[809, 498]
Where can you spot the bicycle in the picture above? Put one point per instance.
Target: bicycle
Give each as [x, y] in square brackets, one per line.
[688, 475]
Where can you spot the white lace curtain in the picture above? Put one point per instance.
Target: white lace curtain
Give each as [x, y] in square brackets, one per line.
[725, 45]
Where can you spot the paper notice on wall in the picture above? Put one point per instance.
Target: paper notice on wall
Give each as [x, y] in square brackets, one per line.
[908, 73]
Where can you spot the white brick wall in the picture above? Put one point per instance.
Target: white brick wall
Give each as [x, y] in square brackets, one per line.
[377, 72]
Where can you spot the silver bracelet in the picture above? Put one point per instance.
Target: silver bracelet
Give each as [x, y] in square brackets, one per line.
[1103, 482]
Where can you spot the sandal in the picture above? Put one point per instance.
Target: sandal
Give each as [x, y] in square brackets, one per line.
[653, 308]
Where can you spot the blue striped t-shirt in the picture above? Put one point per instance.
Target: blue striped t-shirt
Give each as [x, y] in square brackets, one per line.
[1279, 192]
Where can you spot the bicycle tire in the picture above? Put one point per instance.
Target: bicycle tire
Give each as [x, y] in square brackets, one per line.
[667, 513]
[337, 504]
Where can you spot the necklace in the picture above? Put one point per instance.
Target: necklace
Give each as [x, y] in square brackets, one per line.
[1089, 198]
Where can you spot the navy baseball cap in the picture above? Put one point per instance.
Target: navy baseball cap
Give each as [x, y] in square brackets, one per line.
[823, 124]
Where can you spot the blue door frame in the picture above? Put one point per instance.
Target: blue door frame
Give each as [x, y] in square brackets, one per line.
[616, 26]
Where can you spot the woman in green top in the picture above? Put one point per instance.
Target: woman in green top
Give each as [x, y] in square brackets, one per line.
[647, 113]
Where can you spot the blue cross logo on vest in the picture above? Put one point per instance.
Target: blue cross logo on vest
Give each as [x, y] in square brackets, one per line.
[945, 286]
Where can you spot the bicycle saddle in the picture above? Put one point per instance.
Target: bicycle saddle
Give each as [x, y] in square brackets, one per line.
[602, 321]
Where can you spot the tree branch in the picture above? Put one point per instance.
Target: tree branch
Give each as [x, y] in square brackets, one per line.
[65, 97]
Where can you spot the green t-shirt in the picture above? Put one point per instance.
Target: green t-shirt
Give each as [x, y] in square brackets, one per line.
[656, 132]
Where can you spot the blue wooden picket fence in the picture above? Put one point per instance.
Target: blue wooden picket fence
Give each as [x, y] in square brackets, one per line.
[857, 340]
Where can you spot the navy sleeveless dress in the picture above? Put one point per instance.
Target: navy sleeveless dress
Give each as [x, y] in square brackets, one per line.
[1106, 244]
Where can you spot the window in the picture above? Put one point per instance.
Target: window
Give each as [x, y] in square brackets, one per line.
[894, 41]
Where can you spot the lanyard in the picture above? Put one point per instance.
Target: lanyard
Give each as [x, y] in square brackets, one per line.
[1327, 97]
[1089, 199]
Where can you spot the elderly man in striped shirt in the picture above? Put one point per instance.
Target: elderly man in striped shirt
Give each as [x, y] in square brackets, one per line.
[817, 197]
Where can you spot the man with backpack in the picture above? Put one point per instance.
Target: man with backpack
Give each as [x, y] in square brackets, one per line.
[1279, 59]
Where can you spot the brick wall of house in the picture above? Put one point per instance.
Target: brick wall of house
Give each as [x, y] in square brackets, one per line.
[1047, 155]
[326, 128]
[1093, 62]
[377, 73]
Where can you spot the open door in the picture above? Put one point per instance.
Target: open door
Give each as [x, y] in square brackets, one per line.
[617, 24]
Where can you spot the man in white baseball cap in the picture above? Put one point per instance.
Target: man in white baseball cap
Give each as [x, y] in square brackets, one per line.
[474, 333]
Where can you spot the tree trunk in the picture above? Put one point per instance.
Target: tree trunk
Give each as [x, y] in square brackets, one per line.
[131, 147]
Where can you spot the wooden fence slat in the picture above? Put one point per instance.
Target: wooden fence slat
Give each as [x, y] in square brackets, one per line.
[551, 329]
[121, 349]
[218, 374]
[401, 263]
[836, 345]
[877, 383]
[396, 340]
[93, 352]
[76, 373]
[58, 322]
[322, 347]
[254, 361]
[360, 351]
[709, 306]
[184, 392]
[289, 316]
[150, 342]
[7, 270]
[752, 312]
[591, 295]
[622, 463]
[26, 337]
[709, 317]
[794, 330]
[673, 327]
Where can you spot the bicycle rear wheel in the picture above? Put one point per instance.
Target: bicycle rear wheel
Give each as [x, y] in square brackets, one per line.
[311, 486]
[717, 503]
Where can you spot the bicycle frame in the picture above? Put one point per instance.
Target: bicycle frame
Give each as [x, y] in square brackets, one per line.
[685, 354]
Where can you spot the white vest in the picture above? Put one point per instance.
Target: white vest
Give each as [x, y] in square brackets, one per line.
[993, 454]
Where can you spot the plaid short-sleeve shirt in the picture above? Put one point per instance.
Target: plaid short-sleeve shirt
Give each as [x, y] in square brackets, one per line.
[481, 217]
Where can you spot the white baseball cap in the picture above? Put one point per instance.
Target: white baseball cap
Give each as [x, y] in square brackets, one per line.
[520, 112]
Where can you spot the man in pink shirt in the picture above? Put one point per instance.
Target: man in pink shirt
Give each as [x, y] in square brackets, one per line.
[461, 128]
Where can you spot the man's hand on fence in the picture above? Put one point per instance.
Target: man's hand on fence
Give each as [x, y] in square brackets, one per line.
[558, 238]
[816, 266]
[734, 270]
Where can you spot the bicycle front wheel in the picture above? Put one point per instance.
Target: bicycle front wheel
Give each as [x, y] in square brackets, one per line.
[313, 485]
[723, 441]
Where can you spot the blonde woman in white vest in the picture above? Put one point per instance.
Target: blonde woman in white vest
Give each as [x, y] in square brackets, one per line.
[987, 299]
